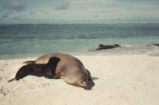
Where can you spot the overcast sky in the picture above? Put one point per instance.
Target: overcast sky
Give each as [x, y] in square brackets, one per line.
[78, 11]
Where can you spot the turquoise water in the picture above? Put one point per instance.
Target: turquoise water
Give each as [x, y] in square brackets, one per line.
[20, 41]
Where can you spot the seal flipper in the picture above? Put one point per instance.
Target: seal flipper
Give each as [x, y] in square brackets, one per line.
[29, 62]
[12, 79]
[94, 78]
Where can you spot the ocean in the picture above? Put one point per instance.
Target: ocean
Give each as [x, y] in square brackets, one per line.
[32, 40]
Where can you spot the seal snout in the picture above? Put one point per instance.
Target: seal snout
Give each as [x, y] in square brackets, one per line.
[87, 85]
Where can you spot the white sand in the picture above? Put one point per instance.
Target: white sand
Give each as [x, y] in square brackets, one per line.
[123, 80]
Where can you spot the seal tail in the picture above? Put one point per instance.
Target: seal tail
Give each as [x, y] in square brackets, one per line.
[29, 62]
[12, 80]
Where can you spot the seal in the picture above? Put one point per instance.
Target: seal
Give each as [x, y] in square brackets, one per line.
[156, 45]
[46, 70]
[102, 46]
[70, 69]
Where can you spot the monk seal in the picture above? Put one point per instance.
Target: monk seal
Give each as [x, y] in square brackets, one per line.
[102, 46]
[46, 70]
[70, 69]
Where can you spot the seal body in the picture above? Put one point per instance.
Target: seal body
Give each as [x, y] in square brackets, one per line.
[70, 69]
[101, 46]
[155, 45]
[46, 70]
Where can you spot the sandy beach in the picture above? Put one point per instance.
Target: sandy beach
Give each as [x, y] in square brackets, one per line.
[123, 80]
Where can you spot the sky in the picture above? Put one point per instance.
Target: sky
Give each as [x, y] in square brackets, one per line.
[78, 11]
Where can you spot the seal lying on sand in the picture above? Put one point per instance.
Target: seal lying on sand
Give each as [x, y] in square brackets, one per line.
[101, 46]
[70, 69]
[46, 70]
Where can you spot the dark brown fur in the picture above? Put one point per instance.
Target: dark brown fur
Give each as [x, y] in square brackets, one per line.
[46, 70]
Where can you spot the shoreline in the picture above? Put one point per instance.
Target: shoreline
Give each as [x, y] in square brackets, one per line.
[123, 80]
[78, 55]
